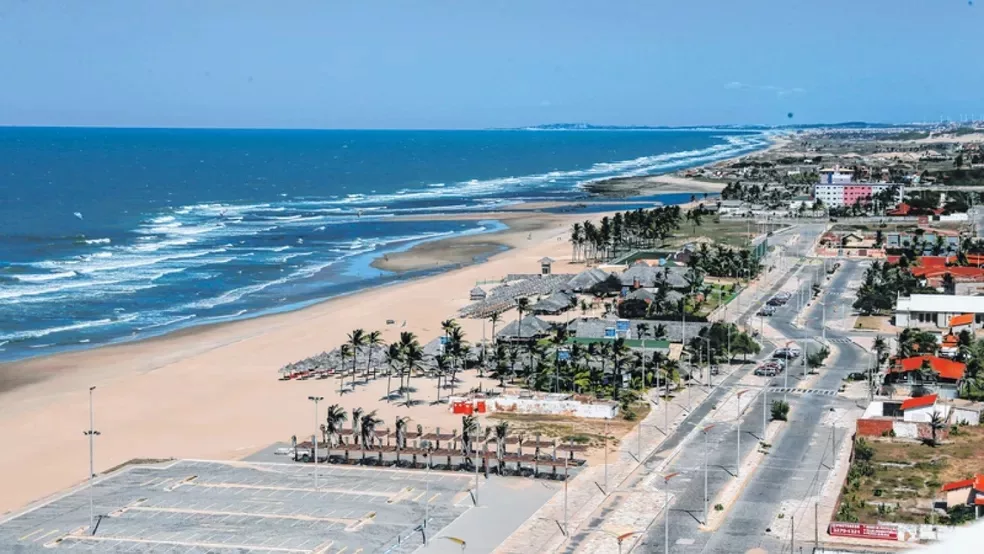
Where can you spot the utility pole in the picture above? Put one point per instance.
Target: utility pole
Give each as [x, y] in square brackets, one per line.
[427, 494]
[314, 437]
[91, 433]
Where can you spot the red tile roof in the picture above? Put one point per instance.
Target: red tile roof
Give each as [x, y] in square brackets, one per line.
[918, 402]
[977, 482]
[893, 259]
[963, 319]
[959, 273]
[979, 501]
[947, 369]
[901, 209]
[932, 261]
[951, 340]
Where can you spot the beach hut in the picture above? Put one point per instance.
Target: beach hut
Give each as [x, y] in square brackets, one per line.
[545, 265]
[477, 294]
[532, 329]
[556, 303]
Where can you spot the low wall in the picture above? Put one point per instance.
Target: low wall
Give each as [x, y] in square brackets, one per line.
[874, 427]
[540, 406]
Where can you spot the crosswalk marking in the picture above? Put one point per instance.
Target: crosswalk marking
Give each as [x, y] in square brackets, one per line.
[819, 392]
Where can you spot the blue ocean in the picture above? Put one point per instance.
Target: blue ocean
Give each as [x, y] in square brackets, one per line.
[118, 234]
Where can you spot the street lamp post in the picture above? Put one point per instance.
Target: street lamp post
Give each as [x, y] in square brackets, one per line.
[92, 434]
[566, 529]
[765, 404]
[705, 430]
[666, 516]
[606, 456]
[314, 437]
[738, 421]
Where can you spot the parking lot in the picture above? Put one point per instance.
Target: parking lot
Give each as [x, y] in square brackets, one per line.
[202, 506]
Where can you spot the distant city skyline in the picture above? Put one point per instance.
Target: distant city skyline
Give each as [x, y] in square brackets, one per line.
[454, 65]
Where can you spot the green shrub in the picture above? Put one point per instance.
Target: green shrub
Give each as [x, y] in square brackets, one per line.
[718, 507]
[780, 410]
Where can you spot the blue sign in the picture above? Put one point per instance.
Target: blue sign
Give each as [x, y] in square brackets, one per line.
[625, 291]
[563, 355]
[609, 332]
[622, 326]
[444, 340]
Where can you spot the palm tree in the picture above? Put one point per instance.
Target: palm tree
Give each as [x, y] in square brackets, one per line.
[356, 339]
[522, 306]
[619, 350]
[368, 428]
[394, 357]
[413, 354]
[469, 430]
[659, 331]
[936, 424]
[345, 352]
[356, 422]
[443, 367]
[334, 422]
[879, 347]
[501, 432]
[494, 318]
[373, 339]
[401, 436]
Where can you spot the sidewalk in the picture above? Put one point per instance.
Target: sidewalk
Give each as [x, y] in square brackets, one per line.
[585, 492]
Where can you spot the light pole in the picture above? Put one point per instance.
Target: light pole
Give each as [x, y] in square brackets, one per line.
[314, 437]
[690, 364]
[606, 456]
[566, 529]
[765, 405]
[705, 430]
[427, 489]
[92, 434]
[738, 421]
[666, 516]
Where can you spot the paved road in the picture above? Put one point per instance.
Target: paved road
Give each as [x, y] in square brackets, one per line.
[797, 463]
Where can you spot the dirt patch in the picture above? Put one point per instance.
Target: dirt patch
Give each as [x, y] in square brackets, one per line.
[904, 478]
[587, 432]
[872, 322]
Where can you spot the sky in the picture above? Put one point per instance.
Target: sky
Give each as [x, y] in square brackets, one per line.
[452, 64]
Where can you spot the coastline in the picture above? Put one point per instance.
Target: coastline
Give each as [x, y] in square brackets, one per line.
[211, 390]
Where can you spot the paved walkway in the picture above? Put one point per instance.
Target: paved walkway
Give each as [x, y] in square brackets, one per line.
[585, 494]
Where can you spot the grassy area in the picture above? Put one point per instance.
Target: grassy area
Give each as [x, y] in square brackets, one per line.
[903, 478]
[590, 432]
[712, 299]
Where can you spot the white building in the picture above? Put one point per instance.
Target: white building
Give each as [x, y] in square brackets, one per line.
[836, 175]
[936, 310]
[922, 409]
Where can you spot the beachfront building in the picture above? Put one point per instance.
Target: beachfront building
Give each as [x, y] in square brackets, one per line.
[940, 375]
[837, 195]
[546, 265]
[529, 329]
[938, 311]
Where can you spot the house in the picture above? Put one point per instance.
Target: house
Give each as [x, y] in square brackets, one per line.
[922, 409]
[476, 294]
[969, 492]
[962, 322]
[545, 265]
[950, 346]
[936, 310]
[732, 207]
[944, 379]
[966, 412]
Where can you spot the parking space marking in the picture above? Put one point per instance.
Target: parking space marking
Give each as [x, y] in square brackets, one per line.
[188, 512]
[48, 534]
[34, 532]
[188, 544]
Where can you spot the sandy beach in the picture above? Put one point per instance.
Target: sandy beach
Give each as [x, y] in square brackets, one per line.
[212, 392]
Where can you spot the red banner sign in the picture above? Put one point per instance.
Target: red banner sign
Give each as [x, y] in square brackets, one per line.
[860, 530]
